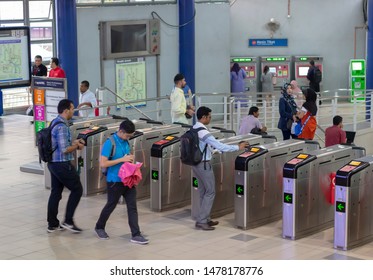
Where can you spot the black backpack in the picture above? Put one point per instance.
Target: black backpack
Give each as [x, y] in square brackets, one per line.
[44, 142]
[190, 154]
[317, 75]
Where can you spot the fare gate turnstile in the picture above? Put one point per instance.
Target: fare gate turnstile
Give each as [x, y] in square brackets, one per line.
[353, 216]
[223, 166]
[88, 160]
[258, 181]
[170, 178]
[308, 189]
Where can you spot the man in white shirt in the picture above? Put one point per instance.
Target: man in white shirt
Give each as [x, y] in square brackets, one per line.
[178, 102]
[87, 99]
[250, 122]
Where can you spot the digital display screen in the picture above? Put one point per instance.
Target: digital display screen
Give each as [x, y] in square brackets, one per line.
[355, 163]
[254, 150]
[272, 70]
[95, 127]
[242, 59]
[303, 58]
[245, 155]
[303, 156]
[275, 58]
[161, 142]
[169, 138]
[357, 66]
[294, 161]
[303, 70]
[128, 38]
[15, 57]
[239, 190]
[347, 168]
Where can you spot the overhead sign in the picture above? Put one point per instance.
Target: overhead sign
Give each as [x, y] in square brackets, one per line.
[268, 42]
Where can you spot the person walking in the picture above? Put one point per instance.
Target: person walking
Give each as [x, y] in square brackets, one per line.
[115, 187]
[63, 173]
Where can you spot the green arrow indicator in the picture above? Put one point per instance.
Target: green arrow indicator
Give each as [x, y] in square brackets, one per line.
[340, 206]
[288, 198]
[195, 182]
[239, 190]
[154, 174]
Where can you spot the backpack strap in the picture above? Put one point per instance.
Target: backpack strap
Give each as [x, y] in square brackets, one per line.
[304, 124]
[113, 146]
[204, 152]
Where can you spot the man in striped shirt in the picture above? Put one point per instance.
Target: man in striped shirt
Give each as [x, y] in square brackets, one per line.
[63, 173]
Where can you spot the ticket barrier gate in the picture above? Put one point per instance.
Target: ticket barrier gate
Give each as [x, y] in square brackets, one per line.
[88, 160]
[223, 166]
[308, 189]
[353, 216]
[258, 181]
[170, 178]
[141, 144]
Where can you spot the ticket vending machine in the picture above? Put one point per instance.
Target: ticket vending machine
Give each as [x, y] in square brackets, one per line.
[301, 66]
[353, 212]
[280, 66]
[357, 80]
[251, 67]
[308, 189]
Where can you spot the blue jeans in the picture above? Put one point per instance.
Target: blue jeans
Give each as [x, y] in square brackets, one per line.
[114, 191]
[63, 174]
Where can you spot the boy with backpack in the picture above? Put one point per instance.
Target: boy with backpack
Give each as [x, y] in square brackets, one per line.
[203, 170]
[112, 159]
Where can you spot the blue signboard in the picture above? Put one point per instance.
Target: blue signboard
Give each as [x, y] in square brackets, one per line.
[268, 42]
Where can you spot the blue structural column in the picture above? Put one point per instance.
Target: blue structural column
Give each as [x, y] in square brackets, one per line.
[67, 46]
[369, 70]
[186, 41]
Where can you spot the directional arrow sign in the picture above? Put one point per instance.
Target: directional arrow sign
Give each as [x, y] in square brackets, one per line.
[340, 206]
[288, 198]
[195, 182]
[239, 190]
[155, 174]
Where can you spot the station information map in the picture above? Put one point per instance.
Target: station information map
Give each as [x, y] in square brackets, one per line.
[130, 77]
[14, 57]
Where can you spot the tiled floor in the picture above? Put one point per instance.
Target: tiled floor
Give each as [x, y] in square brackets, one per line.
[23, 235]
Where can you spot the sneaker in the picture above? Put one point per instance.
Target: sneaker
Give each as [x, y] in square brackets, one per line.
[53, 229]
[101, 234]
[73, 228]
[139, 239]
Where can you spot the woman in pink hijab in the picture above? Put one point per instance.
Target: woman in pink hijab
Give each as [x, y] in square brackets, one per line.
[294, 87]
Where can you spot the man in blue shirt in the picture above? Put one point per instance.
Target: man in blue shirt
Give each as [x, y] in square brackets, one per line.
[204, 172]
[112, 159]
[63, 173]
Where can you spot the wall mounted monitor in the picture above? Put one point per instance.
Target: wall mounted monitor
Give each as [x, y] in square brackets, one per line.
[15, 58]
[129, 38]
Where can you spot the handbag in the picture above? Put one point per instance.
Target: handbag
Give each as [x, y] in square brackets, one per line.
[274, 80]
[289, 123]
[299, 127]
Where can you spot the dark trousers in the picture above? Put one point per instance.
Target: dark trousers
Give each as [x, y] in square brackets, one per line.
[287, 133]
[114, 192]
[63, 174]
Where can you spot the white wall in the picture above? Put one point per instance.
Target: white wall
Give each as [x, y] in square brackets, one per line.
[317, 27]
